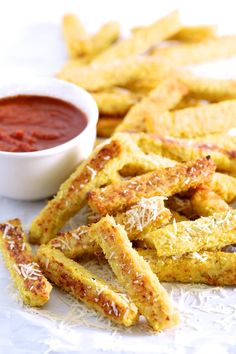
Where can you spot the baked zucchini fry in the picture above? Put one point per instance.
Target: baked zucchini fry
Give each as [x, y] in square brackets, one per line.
[195, 53]
[192, 122]
[33, 287]
[145, 216]
[195, 33]
[184, 150]
[164, 182]
[97, 77]
[205, 202]
[107, 125]
[100, 169]
[210, 89]
[205, 233]
[165, 96]
[115, 102]
[80, 44]
[135, 275]
[190, 149]
[76, 243]
[163, 218]
[139, 221]
[75, 36]
[212, 268]
[108, 33]
[87, 287]
[142, 40]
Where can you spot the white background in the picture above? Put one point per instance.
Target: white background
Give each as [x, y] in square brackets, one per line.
[31, 44]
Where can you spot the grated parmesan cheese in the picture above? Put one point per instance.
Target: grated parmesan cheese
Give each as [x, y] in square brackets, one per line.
[28, 271]
[92, 171]
[7, 228]
[144, 212]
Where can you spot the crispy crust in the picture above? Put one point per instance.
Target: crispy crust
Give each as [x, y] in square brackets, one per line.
[116, 73]
[165, 96]
[194, 53]
[100, 169]
[212, 232]
[212, 268]
[33, 287]
[85, 286]
[135, 275]
[142, 40]
[192, 122]
[164, 181]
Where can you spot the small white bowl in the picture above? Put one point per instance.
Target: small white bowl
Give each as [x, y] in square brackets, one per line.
[37, 175]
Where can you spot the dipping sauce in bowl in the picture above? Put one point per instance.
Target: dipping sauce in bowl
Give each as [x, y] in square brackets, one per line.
[47, 128]
[32, 123]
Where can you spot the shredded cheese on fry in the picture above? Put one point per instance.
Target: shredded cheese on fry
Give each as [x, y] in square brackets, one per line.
[144, 212]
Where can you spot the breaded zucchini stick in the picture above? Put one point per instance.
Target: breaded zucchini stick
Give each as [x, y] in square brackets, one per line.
[87, 287]
[195, 33]
[106, 35]
[205, 233]
[205, 202]
[100, 169]
[76, 243]
[192, 122]
[75, 36]
[33, 287]
[214, 90]
[184, 150]
[115, 102]
[97, 77]
[139, 221]
[142, 40]
[190, 33]
[164, 181]
[195, 53]
[224, 141]
[107, 125]
[190, 149]
[165, 96]
[212, 268]
[135, 275]
[80, 44]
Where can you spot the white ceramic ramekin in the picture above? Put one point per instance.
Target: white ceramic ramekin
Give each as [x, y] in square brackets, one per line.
[37, 175]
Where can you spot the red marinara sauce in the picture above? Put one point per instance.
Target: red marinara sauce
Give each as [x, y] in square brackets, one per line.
[32, 123]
